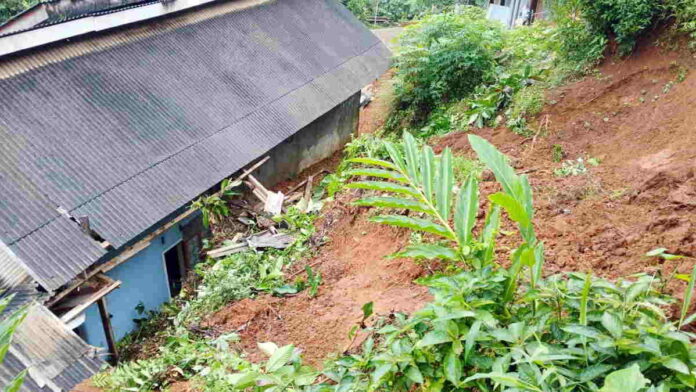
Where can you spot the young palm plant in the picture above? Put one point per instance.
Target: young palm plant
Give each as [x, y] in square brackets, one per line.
[419, 181]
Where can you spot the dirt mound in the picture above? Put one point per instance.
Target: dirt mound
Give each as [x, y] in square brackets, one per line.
[355, 271]
[636, 116]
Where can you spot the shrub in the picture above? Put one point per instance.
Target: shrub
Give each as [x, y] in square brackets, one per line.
[10, 8]
[685, 14]
[444, 58]
[625, 19]
[580, 45]
[527, 102]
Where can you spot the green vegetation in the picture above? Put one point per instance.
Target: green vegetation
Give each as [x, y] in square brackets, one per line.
[685, 13]
[493, 326]
[8, 326]
[399, 11]
[442, 59]
[10, 8]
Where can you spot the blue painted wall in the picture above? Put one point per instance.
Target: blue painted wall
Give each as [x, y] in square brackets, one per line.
[143, 280]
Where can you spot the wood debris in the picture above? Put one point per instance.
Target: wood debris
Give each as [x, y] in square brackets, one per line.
[265, 239]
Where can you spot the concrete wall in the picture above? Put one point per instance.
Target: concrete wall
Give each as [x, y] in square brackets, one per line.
[313, 143]
[143, 279]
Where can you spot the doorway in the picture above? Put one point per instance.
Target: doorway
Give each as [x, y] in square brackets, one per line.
[174, 264]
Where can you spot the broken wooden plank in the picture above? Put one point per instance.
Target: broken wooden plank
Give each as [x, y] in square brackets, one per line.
[268, 240]
[228, 250]
[74, 312]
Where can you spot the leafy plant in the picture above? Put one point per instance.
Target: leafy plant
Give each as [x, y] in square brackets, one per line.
[283, 371]
[10, 8]
[8, 325]
[557, 153]
[571, 168]
[314, 280]
[214, 207]
[443, 58]
[422, 183]
[625, 19]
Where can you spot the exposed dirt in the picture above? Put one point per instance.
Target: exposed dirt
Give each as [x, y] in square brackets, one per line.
[641, 123]
[355, 271]
[375, 114]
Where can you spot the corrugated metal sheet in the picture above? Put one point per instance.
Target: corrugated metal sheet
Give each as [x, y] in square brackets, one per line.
[130, 133]
[56, 358]
[12, 273]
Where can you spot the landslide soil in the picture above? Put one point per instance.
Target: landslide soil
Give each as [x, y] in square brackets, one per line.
[355, 271]
[634, 116]
[640, 121]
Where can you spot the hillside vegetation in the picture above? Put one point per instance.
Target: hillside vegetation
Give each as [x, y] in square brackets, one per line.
[499, 319]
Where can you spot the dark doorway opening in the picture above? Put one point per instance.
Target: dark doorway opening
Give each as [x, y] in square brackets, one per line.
[174, 262]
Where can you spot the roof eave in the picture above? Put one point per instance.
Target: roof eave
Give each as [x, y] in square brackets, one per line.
[29, 39]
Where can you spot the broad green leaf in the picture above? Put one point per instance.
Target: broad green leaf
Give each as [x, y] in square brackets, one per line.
[490, 230]
[471, 340]
[582, 330]
[676, 365]
[243, 380]
[433, 338]
[8, 328]
[393, 202]
[381, 371]
[367, 310]
[688, 297]
[279, 358]
[514, 209]
[495, 161]
[584, 299]
[428, 172]
[396, 156]
[412, 158]
[453, 367]
[507, 379]
[593, 372]
[428, 251]
[379, 173]
[417, 224]
[374, 162]
[414, 374]
[612, 323]
[467, 208]
[383, 186]
[16, 383]
[444, 182]
[626, 380]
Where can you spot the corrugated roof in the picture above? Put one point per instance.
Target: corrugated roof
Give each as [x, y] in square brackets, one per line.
[57, 359]
[128, 132]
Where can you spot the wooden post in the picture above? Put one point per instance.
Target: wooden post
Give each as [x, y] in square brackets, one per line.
[108, 329]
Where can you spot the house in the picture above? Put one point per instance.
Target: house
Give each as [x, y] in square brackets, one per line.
[113, 120]
[513, 13]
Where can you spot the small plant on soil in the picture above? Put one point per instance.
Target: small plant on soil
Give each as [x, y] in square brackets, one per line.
[573, 168]
[557, 153]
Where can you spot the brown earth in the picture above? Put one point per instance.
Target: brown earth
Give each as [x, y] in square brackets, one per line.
[641, 123]
[642, 196]
[355, 271]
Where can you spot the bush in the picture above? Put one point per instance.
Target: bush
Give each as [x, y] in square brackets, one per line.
[625, 19]
[443, 58]
[685, 13]
[10, 8]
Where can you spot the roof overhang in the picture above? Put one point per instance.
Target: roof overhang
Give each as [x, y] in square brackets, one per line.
[29, 39]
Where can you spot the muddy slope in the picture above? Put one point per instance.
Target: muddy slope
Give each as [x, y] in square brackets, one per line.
[640, 121]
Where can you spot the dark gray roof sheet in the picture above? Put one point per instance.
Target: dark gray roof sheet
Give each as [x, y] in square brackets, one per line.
[129, 134]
